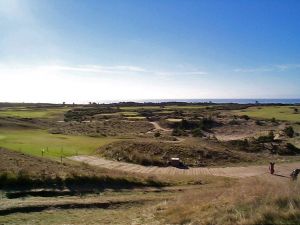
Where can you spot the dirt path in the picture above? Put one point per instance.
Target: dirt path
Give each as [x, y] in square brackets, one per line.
[283, 170]
[158, 127]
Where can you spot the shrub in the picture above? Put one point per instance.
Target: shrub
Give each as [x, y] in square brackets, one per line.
[259, 123]
[289, 131]
[266, 138]
[157, 134]
[292, 148]
[245, 117]
[234, 122]
[178, 132]
[240, 143]
[197, 132]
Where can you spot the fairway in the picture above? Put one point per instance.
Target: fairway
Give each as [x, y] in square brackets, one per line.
[135, 108]
[33, 141]
[23, 112]
[187, 107]
[285, 113]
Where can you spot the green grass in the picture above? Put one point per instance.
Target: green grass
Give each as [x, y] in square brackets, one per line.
[130, 113]
[33, 141]
[22, 112]
[174, 107]
[135, 108]
[165, 112]
[173, 120]
[285, 113]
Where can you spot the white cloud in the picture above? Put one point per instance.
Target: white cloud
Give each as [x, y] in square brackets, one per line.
[253, 70]
[84, 83]
[271, 68]
[287, 66]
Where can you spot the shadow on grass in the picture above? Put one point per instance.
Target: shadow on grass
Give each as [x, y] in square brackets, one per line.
[20, 185]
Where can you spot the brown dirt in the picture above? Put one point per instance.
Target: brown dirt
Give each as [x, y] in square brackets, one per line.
[281, 170]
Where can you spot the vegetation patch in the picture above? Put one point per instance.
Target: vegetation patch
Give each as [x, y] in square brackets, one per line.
[285, 113]
[22, 112]
[39, 142]
[159, 153]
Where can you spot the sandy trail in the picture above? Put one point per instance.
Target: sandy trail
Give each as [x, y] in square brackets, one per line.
[158, 127]
[282, 170]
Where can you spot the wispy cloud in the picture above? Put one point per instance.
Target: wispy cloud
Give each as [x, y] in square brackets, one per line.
[93, 70]
[287, 66]
[270, 68]
[253, 70]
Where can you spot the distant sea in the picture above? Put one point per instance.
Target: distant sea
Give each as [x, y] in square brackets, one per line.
[239, 101]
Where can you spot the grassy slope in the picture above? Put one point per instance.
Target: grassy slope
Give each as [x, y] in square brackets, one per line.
[285, 113]
[33, 141]
[252, 201]
[32, 113]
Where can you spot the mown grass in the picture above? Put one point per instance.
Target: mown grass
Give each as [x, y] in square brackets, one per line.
[23, 112]
[174, 120]
[174, 107]
[135, 117]
[55, 145]
[130, 113]
[285, 113]
[135, 108]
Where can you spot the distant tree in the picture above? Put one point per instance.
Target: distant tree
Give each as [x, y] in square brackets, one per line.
[64, 103]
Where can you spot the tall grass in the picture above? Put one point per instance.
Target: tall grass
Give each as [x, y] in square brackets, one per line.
[252, 201]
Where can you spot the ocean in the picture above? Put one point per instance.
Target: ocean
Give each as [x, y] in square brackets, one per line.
[239, 101]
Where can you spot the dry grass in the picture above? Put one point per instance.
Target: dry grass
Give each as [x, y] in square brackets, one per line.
[251, 201]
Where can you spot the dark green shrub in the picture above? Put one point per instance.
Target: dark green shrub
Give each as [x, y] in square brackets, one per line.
[178, 132]
[197, 132]
[245, 117]
[157, 134]
[266, 139]
[259, 123]
[289, 131]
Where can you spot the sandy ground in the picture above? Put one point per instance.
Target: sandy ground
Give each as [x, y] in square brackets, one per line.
[158, 127]
[281, 170]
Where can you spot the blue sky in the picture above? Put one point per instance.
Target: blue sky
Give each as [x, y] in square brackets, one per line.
[95, 50]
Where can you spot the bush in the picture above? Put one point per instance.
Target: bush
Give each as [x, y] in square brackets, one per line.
[178, 132]
[289, 131]
[234, 122]
[197, 132]
[259, 123]
[267, 138]
[292, 148]
[245, 117]
[240, 143]
[157, 134]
